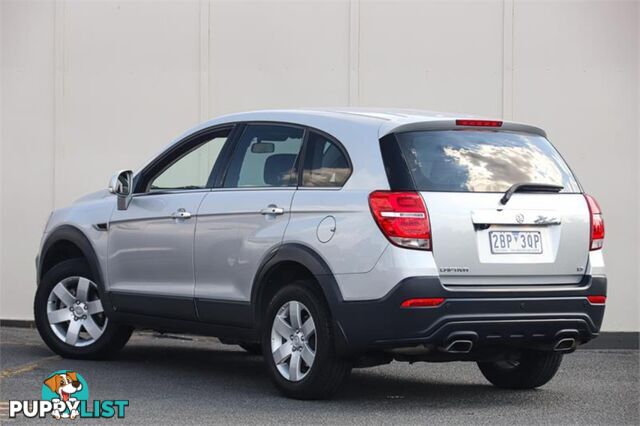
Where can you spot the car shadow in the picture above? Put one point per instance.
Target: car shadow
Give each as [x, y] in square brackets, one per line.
[233, 370]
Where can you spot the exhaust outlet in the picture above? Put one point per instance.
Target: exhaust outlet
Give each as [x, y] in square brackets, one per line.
[459, 347]
[565, 345]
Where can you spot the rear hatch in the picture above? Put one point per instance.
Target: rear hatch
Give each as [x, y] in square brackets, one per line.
[536, 236]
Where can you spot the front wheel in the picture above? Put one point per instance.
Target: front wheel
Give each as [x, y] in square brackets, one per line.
[298, 344]
[70, 317]
[528, 370]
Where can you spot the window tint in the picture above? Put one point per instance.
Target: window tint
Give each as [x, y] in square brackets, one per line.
[325, 165]
[482, 161]
[192, 169]
[265, 156]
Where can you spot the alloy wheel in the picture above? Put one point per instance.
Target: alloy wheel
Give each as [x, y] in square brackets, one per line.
[75, 312]
[293, 341]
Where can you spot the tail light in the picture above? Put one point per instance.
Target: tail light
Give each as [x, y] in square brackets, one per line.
[597, 224]
[402, 218]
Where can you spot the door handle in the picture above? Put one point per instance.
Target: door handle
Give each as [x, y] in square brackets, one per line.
[181, 214]
[272, 210]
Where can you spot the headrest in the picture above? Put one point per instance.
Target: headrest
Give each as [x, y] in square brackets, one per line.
[277, 169]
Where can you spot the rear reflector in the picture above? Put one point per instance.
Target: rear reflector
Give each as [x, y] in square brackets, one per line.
[597, 300]
[431, 302]
[402, 217]
[479, 123]
[597, 224]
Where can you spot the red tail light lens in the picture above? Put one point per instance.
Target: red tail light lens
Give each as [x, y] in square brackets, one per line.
[597, 300]
[479, 123]
[402, 217]
[430, 302]
[597, 224]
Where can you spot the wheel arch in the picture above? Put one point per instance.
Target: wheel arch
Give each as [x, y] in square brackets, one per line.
[67, 242]
[297, 261]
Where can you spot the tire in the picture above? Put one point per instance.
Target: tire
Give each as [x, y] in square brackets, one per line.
[112, 336]
[252, 348]
[531, 370]
[327, 371]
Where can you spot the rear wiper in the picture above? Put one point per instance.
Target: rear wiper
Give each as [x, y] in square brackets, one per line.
[529, 187]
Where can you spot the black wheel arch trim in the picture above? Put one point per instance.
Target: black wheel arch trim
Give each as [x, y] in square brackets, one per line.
[75, 236]
[305, 256]
[312, 261]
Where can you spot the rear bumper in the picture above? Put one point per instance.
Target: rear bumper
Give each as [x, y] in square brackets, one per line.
[519, 318]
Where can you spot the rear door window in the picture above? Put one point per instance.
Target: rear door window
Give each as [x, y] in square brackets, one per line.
[481, 161]
[265, 156]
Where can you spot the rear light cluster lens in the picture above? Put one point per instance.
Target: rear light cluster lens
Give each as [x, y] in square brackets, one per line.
[597, 300]
[479, 123]
[430, 302]
[597, 224]
[402, 217]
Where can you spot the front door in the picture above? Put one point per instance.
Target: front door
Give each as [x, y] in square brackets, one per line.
[150, 255]
[244, 219]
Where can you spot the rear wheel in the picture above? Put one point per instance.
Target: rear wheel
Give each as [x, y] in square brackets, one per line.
[530, 369]
[298, 344]
[70, 317]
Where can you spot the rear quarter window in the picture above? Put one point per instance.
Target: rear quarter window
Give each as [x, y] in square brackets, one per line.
[325, 164]
[478, 161]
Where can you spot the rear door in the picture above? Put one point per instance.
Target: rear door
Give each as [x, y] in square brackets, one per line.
[243, 219]
[536, 237]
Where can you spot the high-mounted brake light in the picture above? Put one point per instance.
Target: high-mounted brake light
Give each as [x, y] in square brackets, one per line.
[596, 240]
[597, 300]
[479, 123]
[430, 302]
[402, 218]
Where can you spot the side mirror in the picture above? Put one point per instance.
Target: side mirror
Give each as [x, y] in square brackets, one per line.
[121, 184]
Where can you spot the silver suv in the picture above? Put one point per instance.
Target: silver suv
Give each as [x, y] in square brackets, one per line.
[333, 239]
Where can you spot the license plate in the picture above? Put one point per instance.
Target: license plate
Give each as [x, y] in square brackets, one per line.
[515, 242]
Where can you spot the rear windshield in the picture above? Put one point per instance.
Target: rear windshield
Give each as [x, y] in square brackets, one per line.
[482, 161]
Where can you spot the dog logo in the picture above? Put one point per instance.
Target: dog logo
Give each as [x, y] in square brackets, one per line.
[68, 387]
[65, 395]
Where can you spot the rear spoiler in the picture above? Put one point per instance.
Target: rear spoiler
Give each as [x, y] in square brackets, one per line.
[450, 124]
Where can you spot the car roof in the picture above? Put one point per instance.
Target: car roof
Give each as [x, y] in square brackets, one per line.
[363, 116]
[384, 120]
[341, 121]
[346, 122]
[358, 114]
